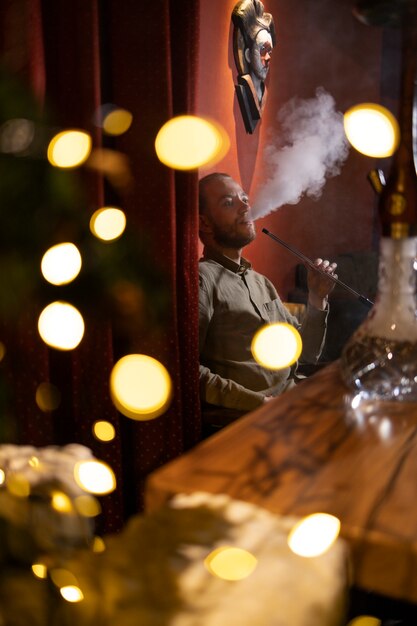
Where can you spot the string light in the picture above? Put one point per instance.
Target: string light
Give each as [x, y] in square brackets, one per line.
[61, 326]
[230, 563]
[365, 620]
[98, 545]
[40, 570]
[69, 148]
[61, 263]
[276, 346]
[95, 477]
[372, 129]
[47, 397]
[87, 506]
[140, 387]
[314, 534]
[117, 122]
[61, 502]
[104, 431]
[71, 593]
[108, 223]
[187, 142]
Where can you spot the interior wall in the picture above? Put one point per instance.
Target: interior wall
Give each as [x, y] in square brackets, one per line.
[319, 44]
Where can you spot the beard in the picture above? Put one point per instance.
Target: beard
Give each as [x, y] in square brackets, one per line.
[232, 239]
[257, 67]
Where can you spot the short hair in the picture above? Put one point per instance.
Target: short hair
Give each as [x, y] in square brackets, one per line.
[202, 185]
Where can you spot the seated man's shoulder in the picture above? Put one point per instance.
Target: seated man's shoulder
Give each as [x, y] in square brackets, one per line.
[209, 269]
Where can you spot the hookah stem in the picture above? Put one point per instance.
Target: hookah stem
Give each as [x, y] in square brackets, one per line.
[309, 262]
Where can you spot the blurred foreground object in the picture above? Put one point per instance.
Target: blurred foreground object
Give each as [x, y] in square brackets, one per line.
[378, 362]
[154, 573]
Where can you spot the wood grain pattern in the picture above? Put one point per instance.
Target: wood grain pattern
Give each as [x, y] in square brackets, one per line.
[309, 451]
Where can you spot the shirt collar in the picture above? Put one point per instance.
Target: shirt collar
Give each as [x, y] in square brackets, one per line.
[229, 264]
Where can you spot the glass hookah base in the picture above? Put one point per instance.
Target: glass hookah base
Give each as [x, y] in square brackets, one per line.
[380, 368]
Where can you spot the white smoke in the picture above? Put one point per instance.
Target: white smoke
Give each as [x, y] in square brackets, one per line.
[311, 147]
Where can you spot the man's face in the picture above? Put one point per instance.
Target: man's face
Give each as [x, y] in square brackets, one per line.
[228, 214]
[260, 54]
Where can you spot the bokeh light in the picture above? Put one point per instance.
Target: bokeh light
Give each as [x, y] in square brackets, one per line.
[62, 577]
[187, 142]
[108, 223]
[113, 119]
[314, 534]
[276, 346]
[117, 122]
[16, 136]
[372, 130]
[104, 431]
[18, 485]
[113, 164]
[230, 563]
[365, 620]
[61, 326]
[71, 593]
[87, 506]
[61, 502]
[47, 397]
[69, 148]
[98, 544]
[2, 351]
[40, 570]
[61, 263]
[2, 477]
[95, 477]
[140, 387]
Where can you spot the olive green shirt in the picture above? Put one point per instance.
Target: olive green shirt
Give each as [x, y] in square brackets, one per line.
[234, 302]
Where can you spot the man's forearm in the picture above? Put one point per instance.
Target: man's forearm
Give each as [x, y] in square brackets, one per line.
[225, 392]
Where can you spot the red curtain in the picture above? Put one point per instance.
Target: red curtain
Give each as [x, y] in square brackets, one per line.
[143, 57]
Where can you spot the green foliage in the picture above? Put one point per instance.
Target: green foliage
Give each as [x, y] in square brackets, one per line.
[41, 206]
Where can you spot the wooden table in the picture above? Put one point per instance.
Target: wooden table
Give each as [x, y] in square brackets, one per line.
[308, 451]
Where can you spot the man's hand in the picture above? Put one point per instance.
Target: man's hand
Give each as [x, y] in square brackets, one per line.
[319, 286]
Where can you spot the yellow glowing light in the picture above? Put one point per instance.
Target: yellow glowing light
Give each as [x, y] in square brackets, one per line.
[47, 397]
[187, 142]
[61, 502]
[71, 593]
[108, 223]
[87, 506]
[372, 130]
[61, 263]
[40, 570]
[98, 545]
[230, 563]
[34, 462]
[63, 578]
[117, 122]
[18, 485]
[104, 431]
[365, 620]
[2, 350]
[140, 387]
[314, 534]
[2, 476]
[276, 346]
[69, 148]
[61, 326]
[95, 476]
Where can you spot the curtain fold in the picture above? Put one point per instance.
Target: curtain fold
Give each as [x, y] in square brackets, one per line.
[79, 56]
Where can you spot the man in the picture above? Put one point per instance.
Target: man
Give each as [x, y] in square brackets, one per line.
[235, 301]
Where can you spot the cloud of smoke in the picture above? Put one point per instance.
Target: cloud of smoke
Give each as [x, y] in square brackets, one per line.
[311, 147]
